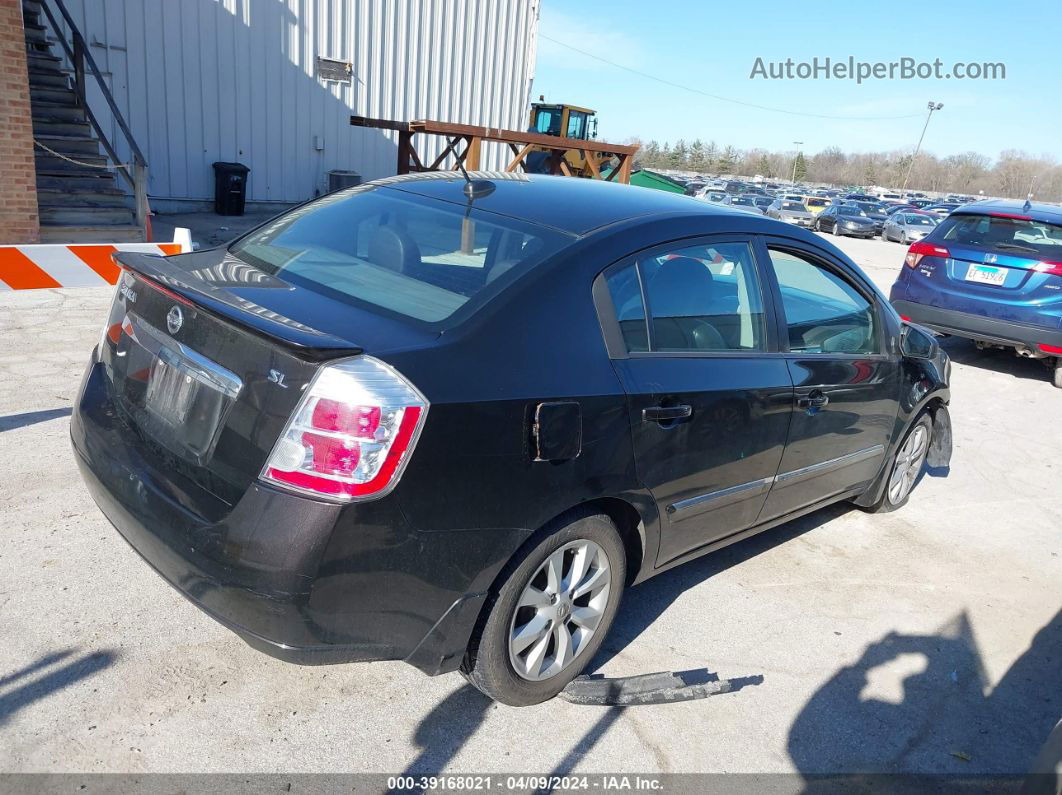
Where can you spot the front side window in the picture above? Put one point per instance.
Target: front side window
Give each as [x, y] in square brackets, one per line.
[700, 298]
[548, 121]
[823, 312]
[419, 258]
[576, 124]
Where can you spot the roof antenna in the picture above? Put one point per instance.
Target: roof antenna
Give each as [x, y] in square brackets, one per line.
[474, 188]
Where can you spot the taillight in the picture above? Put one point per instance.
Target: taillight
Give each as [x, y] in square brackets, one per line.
[1051, 348]
[1053, 268]
[923, 249]
[351, 434]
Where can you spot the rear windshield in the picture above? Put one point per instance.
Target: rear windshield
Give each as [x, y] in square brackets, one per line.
[793, 206]
[1015, 236]
[919, 220]
[817, 202]
[417, 257]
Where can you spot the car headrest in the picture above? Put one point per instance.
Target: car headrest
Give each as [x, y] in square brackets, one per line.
[681, 288]
[393, 249]
[530, 250]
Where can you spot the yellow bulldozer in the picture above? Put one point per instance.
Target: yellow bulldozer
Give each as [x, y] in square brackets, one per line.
[566, 121]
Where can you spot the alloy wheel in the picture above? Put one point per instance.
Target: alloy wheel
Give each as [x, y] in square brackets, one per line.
[908, 464]
[559, 610]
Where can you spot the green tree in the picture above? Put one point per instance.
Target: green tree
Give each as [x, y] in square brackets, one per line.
[764, 166]
[650, 155]
[727, 160]
[679, 155]
[697, 160]
[711, 155]
[800, 167]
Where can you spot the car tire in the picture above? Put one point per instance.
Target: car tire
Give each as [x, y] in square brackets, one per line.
[903, 238]
[836, 229]
[529, 596]
[1057, 380]
[906, 467]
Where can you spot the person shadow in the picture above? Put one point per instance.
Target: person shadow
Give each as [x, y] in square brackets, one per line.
[923, 704]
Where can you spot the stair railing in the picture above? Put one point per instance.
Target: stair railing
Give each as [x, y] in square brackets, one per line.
[80, 57]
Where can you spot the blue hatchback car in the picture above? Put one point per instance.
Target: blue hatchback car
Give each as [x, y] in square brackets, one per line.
[991, 272]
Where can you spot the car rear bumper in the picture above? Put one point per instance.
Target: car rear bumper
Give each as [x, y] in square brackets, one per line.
[280, 570]
[976, 327]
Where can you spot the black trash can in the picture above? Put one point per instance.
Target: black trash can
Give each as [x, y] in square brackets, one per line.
[230, 188]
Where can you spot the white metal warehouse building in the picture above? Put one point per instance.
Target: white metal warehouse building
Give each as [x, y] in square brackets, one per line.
[238, 80]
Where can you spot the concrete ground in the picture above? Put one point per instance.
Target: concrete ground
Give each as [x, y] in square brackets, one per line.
[929, 639]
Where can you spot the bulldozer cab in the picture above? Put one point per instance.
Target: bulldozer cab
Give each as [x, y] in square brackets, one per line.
[565, 121]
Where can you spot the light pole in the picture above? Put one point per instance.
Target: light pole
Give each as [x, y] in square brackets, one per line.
[798, 144]
[932, 107]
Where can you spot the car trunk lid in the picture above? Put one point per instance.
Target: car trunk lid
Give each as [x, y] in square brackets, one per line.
[208, 357]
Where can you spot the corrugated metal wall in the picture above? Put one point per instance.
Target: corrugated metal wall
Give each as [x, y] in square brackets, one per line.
[234, 80]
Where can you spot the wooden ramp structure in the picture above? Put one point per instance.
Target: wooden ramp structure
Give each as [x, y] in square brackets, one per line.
[464, 144]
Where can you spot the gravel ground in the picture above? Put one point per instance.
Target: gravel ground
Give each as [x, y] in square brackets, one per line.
[925, 640]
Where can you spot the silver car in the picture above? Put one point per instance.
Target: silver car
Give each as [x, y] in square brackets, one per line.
[908, 227]
[793, 212]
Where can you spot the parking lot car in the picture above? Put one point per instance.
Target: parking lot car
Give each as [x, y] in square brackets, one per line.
[745, 203]
[907, 227]
[940, 209]
[715, 196]
[992, 272]
[875, 212]
[892, 209]
[793, 212]
[400, 423]
[762, 202]
[816, 204]
[844, 219]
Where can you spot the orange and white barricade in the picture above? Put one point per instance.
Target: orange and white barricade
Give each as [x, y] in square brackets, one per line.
[35, 266]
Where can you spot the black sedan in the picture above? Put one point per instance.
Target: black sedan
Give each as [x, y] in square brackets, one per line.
[449, 423]
[845, 219]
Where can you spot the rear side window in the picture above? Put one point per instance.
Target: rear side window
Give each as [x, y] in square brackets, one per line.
[416, 257]
[823, 312]
[626, 295]
[1014, 236]
[698, 298]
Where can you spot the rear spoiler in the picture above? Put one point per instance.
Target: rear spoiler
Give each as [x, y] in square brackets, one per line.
[302, 340]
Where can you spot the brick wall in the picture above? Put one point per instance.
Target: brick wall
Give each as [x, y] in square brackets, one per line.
[18, 180]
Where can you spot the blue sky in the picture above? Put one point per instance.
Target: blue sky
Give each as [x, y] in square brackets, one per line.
[712, 46]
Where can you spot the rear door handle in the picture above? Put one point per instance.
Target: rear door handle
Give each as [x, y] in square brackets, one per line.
[814, 399]
[665, 413]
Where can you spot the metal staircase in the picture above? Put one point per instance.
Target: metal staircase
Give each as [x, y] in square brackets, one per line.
[78, 197]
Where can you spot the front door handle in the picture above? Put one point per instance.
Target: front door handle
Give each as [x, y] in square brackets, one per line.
[666, 413]
[815, 399]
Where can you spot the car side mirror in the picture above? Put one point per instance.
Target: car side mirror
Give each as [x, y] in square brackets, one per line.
[917, 343]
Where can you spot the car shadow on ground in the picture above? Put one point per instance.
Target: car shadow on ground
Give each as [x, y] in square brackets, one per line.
[963, 351]
[12, 421]
[645, 603]
[27, 690]
[924, 704]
